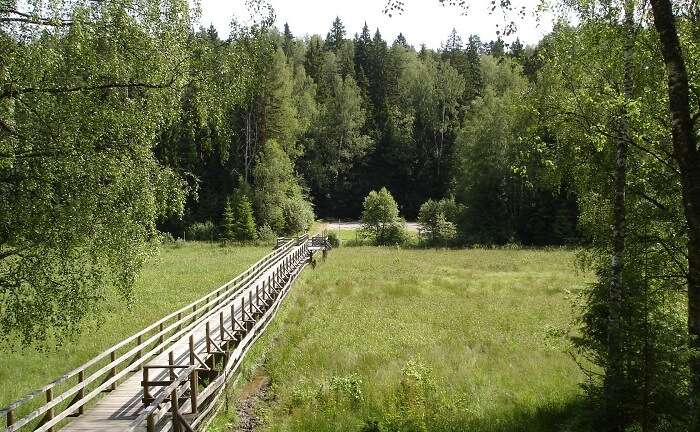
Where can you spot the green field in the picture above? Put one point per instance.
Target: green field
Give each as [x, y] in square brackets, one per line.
[175, 278]
[384, 339]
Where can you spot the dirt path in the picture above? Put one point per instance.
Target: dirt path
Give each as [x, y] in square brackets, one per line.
[410, 226]
[255, 392]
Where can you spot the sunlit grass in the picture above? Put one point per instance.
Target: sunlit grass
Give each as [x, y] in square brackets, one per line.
[176, 277]
[389, 339]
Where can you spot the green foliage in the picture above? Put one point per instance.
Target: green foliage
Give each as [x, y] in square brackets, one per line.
[333, 239]
[244, 223]
[579, 101]
[201, 231]
[280, 201]
[437, 221]
[80, 190]
[381, 220]
[228, 223]
[266, 234]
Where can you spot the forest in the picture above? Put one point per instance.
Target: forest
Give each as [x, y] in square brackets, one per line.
[123, 123]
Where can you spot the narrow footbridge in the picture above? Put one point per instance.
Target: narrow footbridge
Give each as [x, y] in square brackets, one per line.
[170, 375]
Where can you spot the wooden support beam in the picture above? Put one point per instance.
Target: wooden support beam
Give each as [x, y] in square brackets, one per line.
[146, 390]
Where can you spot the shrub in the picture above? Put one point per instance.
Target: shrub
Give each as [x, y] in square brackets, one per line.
[200, 231]
[437, 222]
[333, 239]
[393, 234]
[266, 234]
[166, 238]
[298, 215]
[380, 218]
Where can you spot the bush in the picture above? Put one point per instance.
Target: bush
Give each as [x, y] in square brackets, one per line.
[437, 222]
[166, 238]
[298, 215]
[266, 234]
[333, 239]
[200, 231]
[380, 219]
[392, 235]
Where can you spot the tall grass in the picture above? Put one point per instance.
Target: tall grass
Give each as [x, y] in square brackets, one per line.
[413, 340]
[179, 275]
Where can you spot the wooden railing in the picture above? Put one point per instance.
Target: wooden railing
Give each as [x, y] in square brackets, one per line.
[122, 360]
[261, 309]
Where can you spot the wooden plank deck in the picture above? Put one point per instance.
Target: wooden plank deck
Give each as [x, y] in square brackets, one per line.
[120, 409]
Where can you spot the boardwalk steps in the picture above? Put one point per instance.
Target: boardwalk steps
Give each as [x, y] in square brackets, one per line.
[170, 375]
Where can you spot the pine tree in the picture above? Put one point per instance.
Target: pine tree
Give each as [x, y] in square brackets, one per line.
[517, 50]
[362, 47]
[336, 36]
[474, 79]
[244, 223]
[454, 42]
[287, 41]
[228, 230]
[314, 58]
[401, 40]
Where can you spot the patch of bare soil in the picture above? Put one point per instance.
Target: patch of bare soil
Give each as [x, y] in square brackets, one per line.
[255, 392]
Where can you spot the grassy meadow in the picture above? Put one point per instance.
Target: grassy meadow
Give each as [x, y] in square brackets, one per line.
[178, 275]
[385, 339]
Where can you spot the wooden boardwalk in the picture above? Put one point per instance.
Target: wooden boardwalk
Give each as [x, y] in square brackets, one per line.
[172, 378]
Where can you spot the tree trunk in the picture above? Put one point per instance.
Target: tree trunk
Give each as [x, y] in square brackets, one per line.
[614, 385]
[686, 155]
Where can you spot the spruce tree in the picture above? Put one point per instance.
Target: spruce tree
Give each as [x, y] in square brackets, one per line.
[336, 36]
[228, 223]
[244, 223]
[287, 41]
[401, 40]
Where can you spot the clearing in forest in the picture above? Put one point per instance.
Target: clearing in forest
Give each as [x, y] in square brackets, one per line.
[389, 339]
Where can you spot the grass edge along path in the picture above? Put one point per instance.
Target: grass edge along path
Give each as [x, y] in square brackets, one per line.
[384, 339]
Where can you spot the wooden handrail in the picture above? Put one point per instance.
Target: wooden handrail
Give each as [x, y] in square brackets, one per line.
[231, 288]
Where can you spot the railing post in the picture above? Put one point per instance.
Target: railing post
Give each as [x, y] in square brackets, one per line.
[233, 319]
[208, 341]
[81, 392]
[146, 389]
[140, 353]
[160, 338]
[194, 379]
[179, 318]
[49, 413]
[112, 370]
[174, 402]
[10, 418]
[221, 327]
